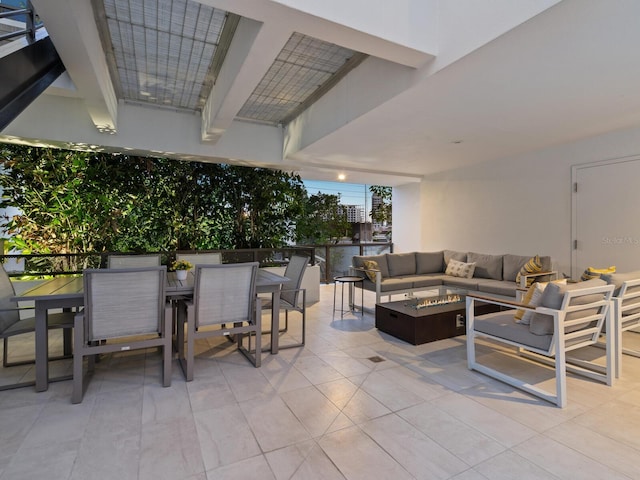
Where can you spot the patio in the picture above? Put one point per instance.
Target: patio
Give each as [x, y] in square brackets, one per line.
[323, 411]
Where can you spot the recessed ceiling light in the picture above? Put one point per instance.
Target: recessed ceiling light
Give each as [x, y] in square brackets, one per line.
[456, 142]
[342, 177]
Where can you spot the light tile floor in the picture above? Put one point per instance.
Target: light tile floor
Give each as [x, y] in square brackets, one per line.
[321, 412]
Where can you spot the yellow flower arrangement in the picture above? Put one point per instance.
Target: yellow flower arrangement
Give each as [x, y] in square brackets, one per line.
[181, 265]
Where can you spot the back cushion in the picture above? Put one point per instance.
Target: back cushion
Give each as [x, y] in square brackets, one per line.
[452, 254]
[553, 296]
[617, 279]
[429, 262]
[487, 266]
[511, 265]
[381, 260]
[401, 264]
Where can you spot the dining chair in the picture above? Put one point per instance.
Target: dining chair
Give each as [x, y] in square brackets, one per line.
[292, 297]
[12, 324]
[224, 304]
[133, 261]
[124, 309]
[209, 258]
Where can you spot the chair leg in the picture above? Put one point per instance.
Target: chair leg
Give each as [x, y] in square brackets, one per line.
[78, 387]
[167, 350]
[258, 320]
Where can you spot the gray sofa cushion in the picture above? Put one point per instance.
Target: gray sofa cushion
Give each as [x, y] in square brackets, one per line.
[498, 287]
[401, 264]
[449, 254]
[427, 280]
[381, 260]
[553, 296]
[468, 283]
[396, 283]
[487, 266]
[429, 262]
[513, 263]
[501, 325]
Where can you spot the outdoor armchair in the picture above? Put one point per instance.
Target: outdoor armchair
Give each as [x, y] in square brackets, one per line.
[292, 297]
[570, 317]
[224, 304]
[12, 324]
[209, 258]
[133, 261]
[124, 309]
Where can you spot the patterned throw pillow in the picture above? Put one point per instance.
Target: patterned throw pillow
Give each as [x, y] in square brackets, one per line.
[369, 266]
[534, 265]
[460, 269]
[591, 272]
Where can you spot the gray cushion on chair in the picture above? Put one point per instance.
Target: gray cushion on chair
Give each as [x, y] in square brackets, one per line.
[429, 280]
[498, 287]
[487, 266]
[501, 325]
[618, 279]
[429, 262]
[401, 264]
[553, 296]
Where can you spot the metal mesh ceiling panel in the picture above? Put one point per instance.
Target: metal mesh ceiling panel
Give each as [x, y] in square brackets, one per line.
[301, 68]
[163, 49]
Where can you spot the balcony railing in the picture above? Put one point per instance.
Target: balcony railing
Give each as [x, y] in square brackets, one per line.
[333, 259]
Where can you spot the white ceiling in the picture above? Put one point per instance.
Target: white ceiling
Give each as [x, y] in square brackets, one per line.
[543, 74]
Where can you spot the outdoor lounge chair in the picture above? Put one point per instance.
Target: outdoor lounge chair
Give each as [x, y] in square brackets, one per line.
[570, 317]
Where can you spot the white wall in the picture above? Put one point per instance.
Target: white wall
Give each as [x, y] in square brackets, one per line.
[407, 215]
[519, 205]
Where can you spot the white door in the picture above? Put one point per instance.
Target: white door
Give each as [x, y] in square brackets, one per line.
[606, 215]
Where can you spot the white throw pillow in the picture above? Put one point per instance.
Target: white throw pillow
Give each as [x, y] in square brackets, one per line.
[460, 269]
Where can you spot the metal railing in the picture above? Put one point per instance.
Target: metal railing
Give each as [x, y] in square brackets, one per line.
[25, 15]
[333, 259]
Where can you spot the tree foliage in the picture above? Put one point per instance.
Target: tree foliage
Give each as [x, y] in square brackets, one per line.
[323, 220]
[382, 212]
[73, 201]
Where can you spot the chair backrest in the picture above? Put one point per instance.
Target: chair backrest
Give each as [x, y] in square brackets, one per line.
[211, 258]
[224, 293]
[294, 272]
[8, 309]
[124, 302]
[133, 261]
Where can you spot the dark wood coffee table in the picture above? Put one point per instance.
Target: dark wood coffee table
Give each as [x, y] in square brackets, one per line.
[417, 326]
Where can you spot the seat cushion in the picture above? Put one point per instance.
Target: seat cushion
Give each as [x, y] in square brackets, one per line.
[396, 283]
[497, 287]
[501, 325]
[428, 280]
[487, 266]
[465, 283]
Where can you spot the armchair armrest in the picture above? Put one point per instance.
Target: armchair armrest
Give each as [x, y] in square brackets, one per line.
[525, 278]
[500, 301]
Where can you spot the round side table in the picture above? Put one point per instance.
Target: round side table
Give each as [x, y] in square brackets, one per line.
[351, 281]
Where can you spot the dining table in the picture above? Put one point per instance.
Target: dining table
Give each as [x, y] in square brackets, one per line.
[68, 292]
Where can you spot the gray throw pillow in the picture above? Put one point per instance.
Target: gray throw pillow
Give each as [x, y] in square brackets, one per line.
[553, 296]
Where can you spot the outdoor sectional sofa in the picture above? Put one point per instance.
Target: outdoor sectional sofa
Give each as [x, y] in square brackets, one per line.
[405, 273]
